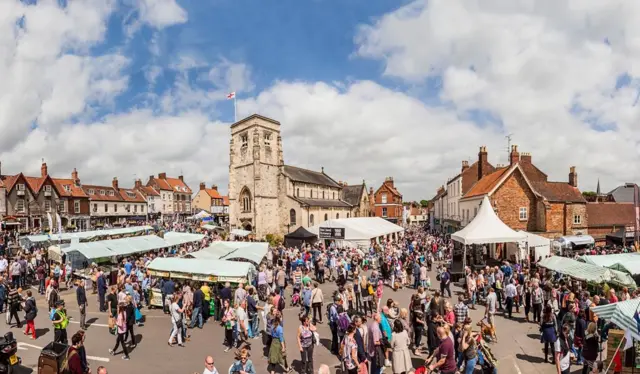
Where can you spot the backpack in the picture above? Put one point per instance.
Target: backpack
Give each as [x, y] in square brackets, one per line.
[343, 321]
[281, 304]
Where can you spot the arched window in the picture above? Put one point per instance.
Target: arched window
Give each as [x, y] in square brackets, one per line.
[298, 192]
[311, 194]
[311, 220]
[245, 200]
[348, 215]
[292, 217]
[323, 194]
[326, 216]
[337, 215]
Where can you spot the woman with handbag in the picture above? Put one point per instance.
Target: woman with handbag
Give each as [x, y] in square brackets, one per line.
[306, 340]
[229, 321]
[121, 324]
[175, 313]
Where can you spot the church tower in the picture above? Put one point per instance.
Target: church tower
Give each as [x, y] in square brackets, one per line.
[255, 162]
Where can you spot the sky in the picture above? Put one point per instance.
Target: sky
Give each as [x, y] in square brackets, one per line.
[367, 89]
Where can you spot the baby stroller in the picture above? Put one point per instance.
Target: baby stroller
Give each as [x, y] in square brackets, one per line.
[295, 297]
[263, 292]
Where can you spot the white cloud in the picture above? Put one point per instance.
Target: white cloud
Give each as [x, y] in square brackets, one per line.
[161, 13]
[231, 76]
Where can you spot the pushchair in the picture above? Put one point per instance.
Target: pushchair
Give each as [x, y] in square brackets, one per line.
[295, 297]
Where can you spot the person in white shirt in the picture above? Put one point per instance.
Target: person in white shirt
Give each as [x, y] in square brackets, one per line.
[4, 264]
[243, 322]
[510, 292]
[208, 366]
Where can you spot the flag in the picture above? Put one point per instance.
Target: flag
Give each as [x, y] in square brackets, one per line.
[636, 317]
[232, 95]
[628, 340]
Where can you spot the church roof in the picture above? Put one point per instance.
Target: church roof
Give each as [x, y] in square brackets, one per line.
[325, 203]
[352, 194]
[309, 176]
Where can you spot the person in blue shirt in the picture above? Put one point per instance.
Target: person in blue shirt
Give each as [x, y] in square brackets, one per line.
[168, 288]
[277, 350]
[306, 299]
[242, 363]
[127, 267]
[334, 311]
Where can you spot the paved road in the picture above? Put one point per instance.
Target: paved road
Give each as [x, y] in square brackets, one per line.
[518, 348]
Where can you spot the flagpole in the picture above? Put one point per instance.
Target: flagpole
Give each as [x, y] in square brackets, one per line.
[235, 109]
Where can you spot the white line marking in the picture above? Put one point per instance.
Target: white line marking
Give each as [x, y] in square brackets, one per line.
[91, 324]
[517, 367]
[21, 346]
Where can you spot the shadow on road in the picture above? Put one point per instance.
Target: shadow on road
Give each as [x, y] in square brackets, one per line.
[42, 332]
[528, 358]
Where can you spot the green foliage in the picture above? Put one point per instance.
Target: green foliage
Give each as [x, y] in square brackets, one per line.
[588, 194]
[274, 240]
[424, 203]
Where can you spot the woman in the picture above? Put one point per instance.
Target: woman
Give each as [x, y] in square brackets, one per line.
[350, 296]
[121, 324]
[379, 292]
[242, 365]
[349, 351]
[590, 347]
[177, 322]
[406, 324]
[317, 298]
[579, 335]
[229, 321]
[74, 362]
[562, 349]
[131, 319]
[305, 344]
[401, 356]
[418, 323]
[468, 349]
[31, 312]
[270, 317]
[278, 350]
[549, 331]
[527, 301]
[449, 315]
[82, 351]
[366, 296]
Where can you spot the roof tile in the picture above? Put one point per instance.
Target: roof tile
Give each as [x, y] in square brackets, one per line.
[66, 188]
[559, 192]
[610, 214]
[352, 194]
[98, 196]
[225, 200]
[130, 195]
[487, 183]
[213, 193]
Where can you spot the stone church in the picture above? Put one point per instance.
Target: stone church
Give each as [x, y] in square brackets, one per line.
[268, 197]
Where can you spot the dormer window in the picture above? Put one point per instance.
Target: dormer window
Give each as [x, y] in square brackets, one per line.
[91, 191]
[20, 187]
[67, 188]
[47, 188]
[103, 192]
[131, 194]
[111, 193]
[244, 140]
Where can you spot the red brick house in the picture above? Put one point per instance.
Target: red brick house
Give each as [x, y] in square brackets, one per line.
[73, 205]
[610, 218]
[524, 199]
[388, 202]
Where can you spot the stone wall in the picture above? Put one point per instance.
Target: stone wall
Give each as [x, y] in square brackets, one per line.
[510, 197]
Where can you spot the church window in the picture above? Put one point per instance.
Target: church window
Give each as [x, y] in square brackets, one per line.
[292, 217]
[326, 216]
[311, 220]
[244, 140]
[323, 195]
[297, 192]
[267, 139]
[245, 199]
[337, 215]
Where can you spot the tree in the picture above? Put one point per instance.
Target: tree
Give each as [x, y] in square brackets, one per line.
[588, 194]
[424, 203]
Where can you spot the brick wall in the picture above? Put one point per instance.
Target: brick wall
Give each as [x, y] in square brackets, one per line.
[510, 197]
[581, 228]
[556, 219]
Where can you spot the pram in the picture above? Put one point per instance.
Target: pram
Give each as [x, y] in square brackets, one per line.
[295, 297]
[263, 292]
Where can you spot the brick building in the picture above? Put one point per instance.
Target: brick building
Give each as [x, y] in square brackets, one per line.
[388, 202]
[524, 199]
[610, 218]
[73, 204]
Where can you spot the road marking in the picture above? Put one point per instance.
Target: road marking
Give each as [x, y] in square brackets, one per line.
[517, 367]
[21, 346]
[90, 324]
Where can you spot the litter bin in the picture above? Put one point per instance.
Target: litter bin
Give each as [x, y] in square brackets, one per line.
[52, 358]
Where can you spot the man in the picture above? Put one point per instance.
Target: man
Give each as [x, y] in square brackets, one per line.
[375, 347]
[334, 311]
[252, 313]
[416, 274]
[445, 354]
[196, 314]
[102, 290]
[15, 274]
[510, 292]
[243, 323]
[81, 297]
[3, 294]
[280, 281]
[168, 288]
[537, 300]
[239, 295]
[490, 310]
[206, 291]
[461, 310]
[225, 294]
[208, 366]
[102, 370]
[13, 302]
[445, 282]
[40, 274]
[60, 322]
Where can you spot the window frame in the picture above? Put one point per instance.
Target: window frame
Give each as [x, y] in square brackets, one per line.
[577, 221]
[385, 212]
[383, 198]
[526, 213]
[76, 206]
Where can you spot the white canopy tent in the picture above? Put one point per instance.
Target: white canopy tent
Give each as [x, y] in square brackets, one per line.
[359, 231]
[240, 232]
[486, 228]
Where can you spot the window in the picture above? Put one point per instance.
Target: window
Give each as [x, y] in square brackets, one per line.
[326, 216]
[297, 192]
[292, 217]
[131, 194]
[245, 198]
[311, 192]
[142, 208]
[523, 214]
[115, 208]
[267, 139]
[102, 192]
[577, 219]
[47, 188]
[111, 193]
[76, 206]
[95, 208]
[67, 188]
[244, 140]
[334, 195]
[323, 195]
[475, 212]
[384, 212]
[20, 205]
[47, 205]
[21, 187]
[135, 209]
[384, 198]
[106, 208]
[311, 220]
[91, 191]
[337, 215]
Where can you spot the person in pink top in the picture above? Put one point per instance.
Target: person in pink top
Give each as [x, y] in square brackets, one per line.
[121, 323]
[379, 291]
[612, 296]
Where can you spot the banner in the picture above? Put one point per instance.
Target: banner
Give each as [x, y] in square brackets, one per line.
[331, 233]
[59, 223]
[50, 222]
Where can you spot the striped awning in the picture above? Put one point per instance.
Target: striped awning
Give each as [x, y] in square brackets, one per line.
[621, 313]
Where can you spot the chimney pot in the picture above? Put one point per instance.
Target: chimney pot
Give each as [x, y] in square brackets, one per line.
[162, 176]
[181, 178]
[202, 186]
[214, 187]
[573, 176]
[514, 156]
[138, 183]
[114, 183]
[483, 164]
[43, 170]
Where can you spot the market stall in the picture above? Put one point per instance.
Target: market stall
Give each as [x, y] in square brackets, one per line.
[299, 237]
[253, 252]
[357, 231]
[587, 272]
[83, 235]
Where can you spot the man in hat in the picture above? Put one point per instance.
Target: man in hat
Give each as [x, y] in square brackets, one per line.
[60, 322]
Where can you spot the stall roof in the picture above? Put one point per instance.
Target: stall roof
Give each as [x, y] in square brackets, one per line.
[90, 250]
[204, 267]
[211, 227]
[178, 238]
[252, 251]
[86, 234]
[586, 272]
[127, 246]
[239, 232]
[622, 314]
[486, 227]
[534, 240]
[627, 262]
[359, 228]
[577, 240]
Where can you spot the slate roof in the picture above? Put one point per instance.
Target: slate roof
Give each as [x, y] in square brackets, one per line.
[622, 194]
[559, 192]
[610, 214]
[323, 203]
[353, 194]
[309, 176]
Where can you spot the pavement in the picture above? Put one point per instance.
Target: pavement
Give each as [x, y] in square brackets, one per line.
[518, 349]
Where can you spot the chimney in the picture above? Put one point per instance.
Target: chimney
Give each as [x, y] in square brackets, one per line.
[514, 156]
[202, 186]
[138, 184]
[214, 187]
[43, 170]
[181, 178]
[525, 157]
[74, 177]
[345, 184]
[573, 176]
[465, 166]
[482, 162]
[162, 175]
[114, 183]
[389, 181]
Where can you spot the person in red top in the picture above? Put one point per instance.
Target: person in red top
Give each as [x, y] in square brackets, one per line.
[74, 363]
[612, 296]
[445, 354]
